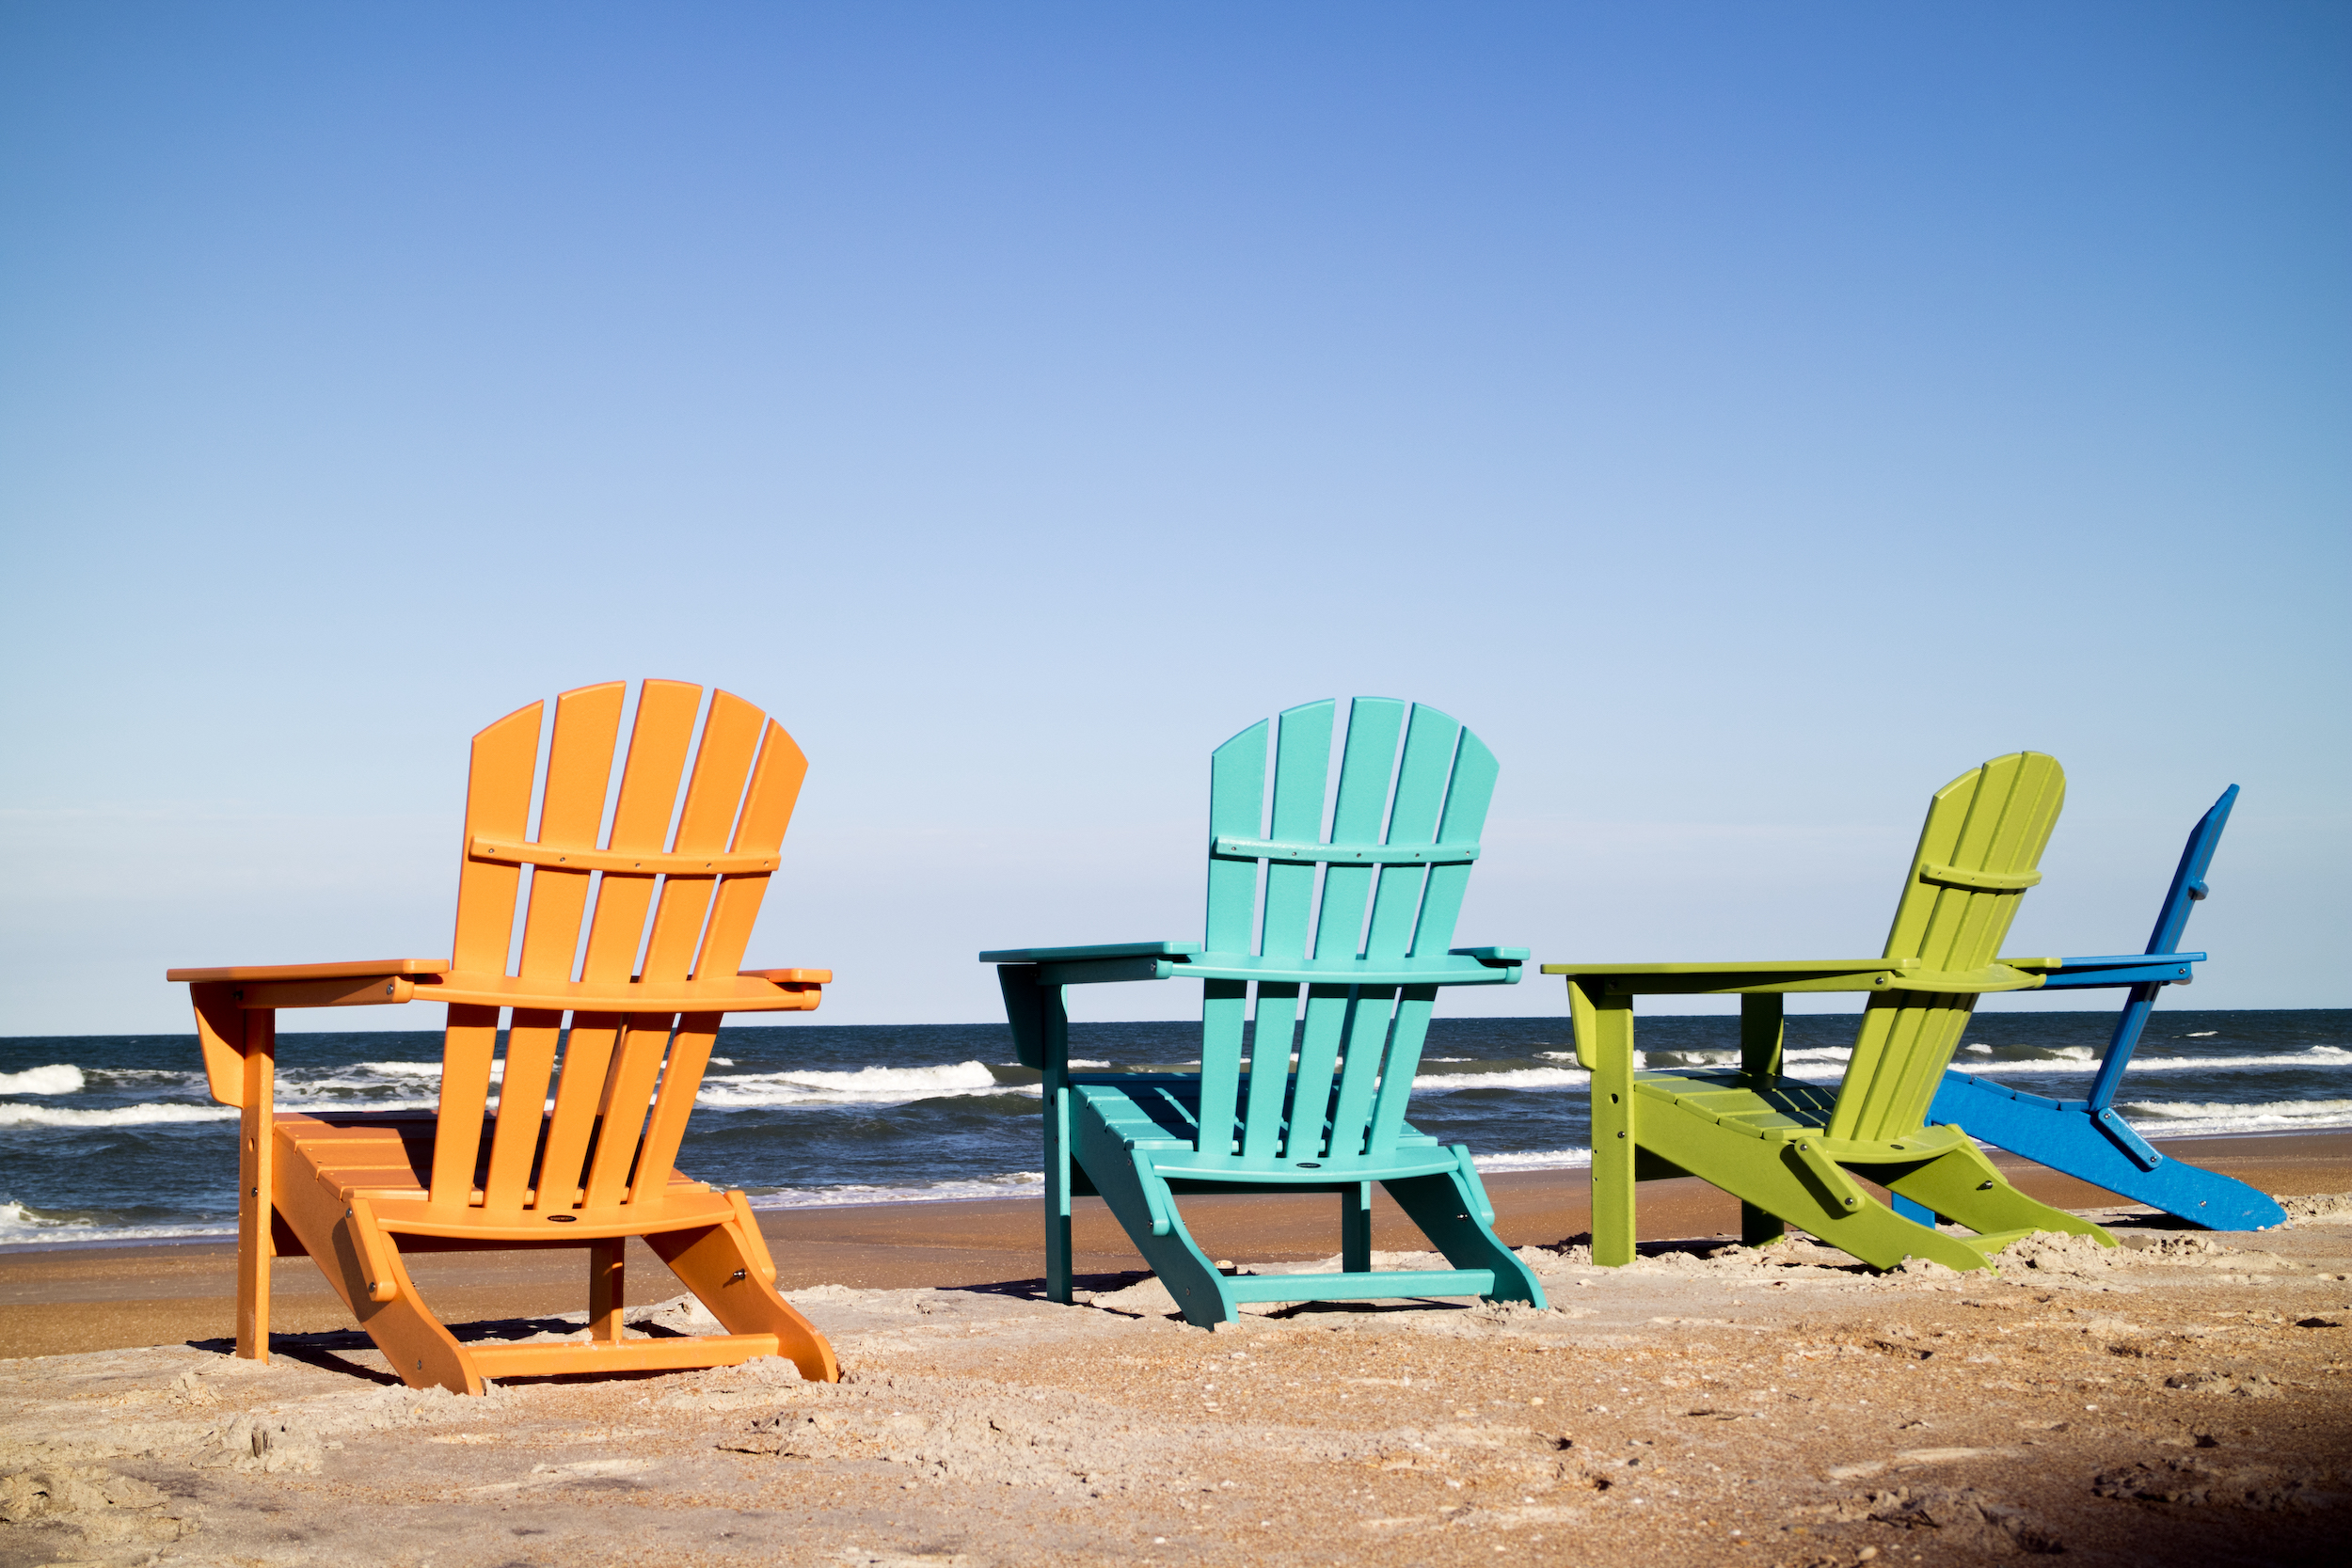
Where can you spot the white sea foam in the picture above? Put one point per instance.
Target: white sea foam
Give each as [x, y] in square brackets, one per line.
[1023, 1184]
[1689, 1058]
[1557, 1159]
[56, 1078]
[21, 1225]
[13, 1113]
[2319, 1057]
[1515, 1078]
[2034, 1052]
[2189, 1119]
[873, 1086]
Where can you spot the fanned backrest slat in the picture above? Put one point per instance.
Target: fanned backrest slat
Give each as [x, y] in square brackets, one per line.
[706, 824]
[1358, 1047]
[665, 1125]
[641, 820]
[1422, 774]
[657, 742]
[1367, 769]
[714, 794]
[1236, 805]
[1302, 762]
[775, 788]
[627, 1090]
[1365, 773]
[1467, 796]
[571, 809]
[504, 763]
[1993, 822]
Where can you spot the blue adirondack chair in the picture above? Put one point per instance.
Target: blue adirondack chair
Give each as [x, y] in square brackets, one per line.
[1319, 1104]
[2086, 1138]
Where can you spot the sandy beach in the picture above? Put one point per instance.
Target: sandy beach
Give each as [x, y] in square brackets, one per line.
[2180, 1399]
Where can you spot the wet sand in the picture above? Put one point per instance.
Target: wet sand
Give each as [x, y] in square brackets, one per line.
[2180, 1400]
[68, 1300]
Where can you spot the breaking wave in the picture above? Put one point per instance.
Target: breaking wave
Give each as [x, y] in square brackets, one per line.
[56, 1078]
[15, 1114]
[873, 1086]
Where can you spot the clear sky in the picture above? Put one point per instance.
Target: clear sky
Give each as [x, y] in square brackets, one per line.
[1745, 416]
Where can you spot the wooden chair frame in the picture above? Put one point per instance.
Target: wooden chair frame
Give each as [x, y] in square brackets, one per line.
[593, 1167]
[1343, 940]
[1789, 1149]
[2086, 1138]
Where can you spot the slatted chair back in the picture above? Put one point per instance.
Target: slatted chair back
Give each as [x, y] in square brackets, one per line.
[1977, 854]
[1384, 882]
[650, 905]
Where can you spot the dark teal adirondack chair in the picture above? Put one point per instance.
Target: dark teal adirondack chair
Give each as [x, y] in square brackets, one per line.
[1325, 1112]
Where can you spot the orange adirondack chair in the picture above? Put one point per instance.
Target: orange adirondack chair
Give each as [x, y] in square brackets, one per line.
[358, 1192]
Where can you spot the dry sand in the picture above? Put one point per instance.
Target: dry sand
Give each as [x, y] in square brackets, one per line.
[2180, 1400]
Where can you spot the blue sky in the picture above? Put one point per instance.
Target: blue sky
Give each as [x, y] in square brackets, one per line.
[1745, 416]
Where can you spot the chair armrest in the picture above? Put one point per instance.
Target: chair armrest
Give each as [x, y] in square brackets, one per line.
[1449, 970]
[1766, 975]
[1795, 975]
[1079, 955]
[358, 969]
[387, 981]
[1492, 955]
[2123, 969]
[362, 983]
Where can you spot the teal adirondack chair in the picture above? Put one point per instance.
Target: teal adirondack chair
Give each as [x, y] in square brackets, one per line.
[1789, 1151]
[1319, 1105]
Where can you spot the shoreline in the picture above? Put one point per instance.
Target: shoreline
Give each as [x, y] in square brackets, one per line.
[74, 1298]
[227, 1234]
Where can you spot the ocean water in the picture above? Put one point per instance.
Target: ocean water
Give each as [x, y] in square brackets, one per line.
[114, 1138]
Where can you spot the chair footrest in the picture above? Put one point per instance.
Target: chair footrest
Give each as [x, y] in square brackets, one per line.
[1360, 1287]
[627, 1355]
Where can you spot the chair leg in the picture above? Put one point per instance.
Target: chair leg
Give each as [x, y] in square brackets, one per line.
[418, 1349]
[1454, 1212]
[1760, 1227]
[1355, 1229]
[1058, 1282]
[256, 1186]
[1613, 1136]
[1118, 1175]
[1966, 1187]
[730, 1277]
[605, 1289]
[1777, 1179]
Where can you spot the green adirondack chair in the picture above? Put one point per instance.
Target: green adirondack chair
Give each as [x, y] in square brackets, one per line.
[1325, 1113]
[1790, 1151]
